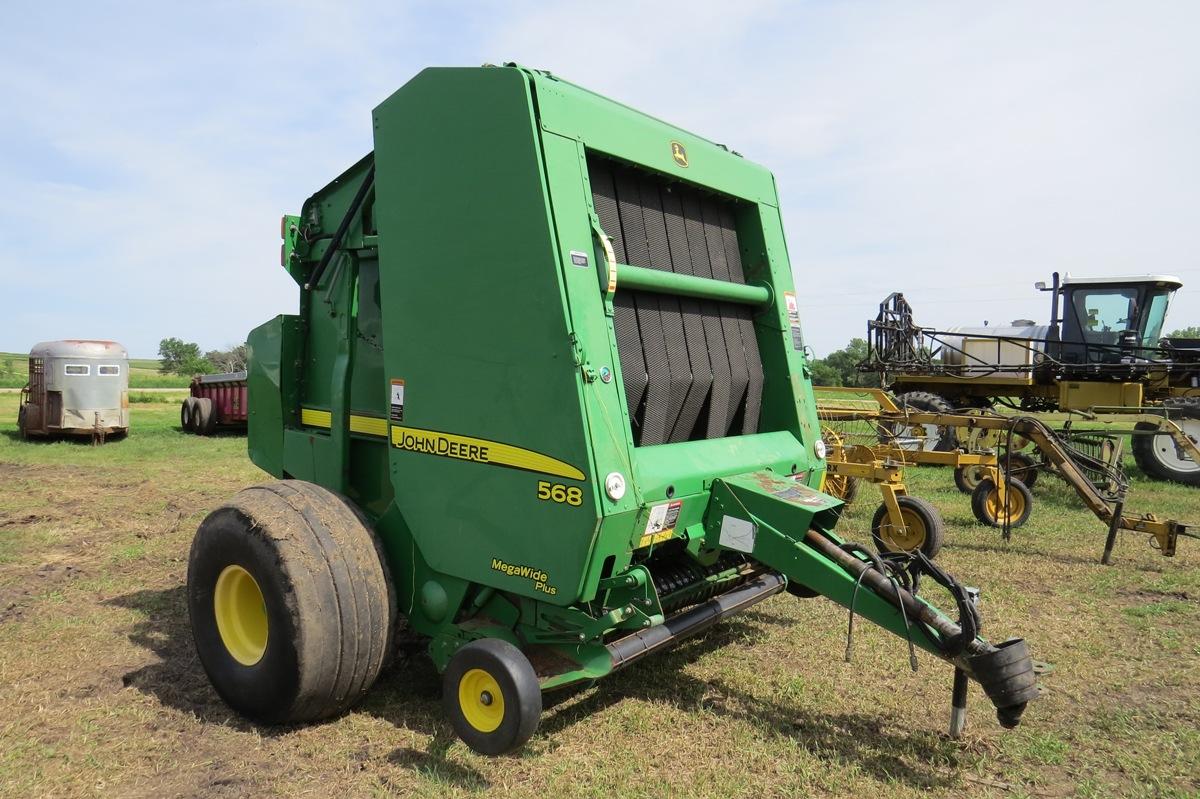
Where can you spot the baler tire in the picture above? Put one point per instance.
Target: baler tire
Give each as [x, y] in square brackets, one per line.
[1154, 457]
[291, 603]
[1020, 467]
[491, 695]
[204, 416]
[187, 414]
[923, 524]
[985, 504]
[924, 401]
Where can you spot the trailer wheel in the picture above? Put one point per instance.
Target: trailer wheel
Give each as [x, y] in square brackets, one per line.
[187, 413]
[1157, 455]
[923, 527]
[203, 417]
[491, 696]
[291, 603]
[924, 437]
[21, 423]
[989, 510]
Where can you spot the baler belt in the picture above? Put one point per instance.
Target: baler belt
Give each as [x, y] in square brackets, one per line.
[691, 368]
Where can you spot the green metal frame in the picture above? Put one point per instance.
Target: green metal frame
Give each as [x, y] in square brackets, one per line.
[455, 284]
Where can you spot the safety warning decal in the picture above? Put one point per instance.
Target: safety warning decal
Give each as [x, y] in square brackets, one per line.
[661, 524]
[793, 312]
[397, 403]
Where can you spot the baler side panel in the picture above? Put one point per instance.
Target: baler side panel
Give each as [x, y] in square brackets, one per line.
[271, 389]
[475, 326]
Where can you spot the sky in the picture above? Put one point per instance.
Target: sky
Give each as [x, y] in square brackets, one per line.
[957, 152]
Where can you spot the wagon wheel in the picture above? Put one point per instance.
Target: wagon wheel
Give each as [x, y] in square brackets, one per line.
[1020, 466]
[203, 416]
[990, 510]
[923, 527]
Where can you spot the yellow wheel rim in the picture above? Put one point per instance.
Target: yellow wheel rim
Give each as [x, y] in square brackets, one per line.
[910, 538]
[1014, 500]
[241, 615]
[973, 476]
[481, 701]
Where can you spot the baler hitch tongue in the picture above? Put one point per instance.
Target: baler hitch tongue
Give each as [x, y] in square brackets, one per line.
[751, 512]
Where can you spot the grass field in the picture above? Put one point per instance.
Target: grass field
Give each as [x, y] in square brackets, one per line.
[143, 373]
[101, 693]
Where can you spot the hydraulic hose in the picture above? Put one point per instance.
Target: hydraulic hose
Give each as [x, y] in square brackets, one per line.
[336, 241]
[1005, 672]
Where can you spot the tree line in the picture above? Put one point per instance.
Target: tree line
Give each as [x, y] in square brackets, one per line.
[178, 357]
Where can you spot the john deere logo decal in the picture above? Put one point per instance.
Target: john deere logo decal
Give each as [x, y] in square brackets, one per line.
[679, 154]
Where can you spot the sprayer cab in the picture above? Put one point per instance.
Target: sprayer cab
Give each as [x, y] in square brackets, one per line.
[553, 365]
[1105, 320]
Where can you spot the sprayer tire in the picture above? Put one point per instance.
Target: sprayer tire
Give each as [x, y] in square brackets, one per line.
[926, 402]
[204, 416]
[1156, 455]
[491, 695]
[291, 604]
[985, 503]
[924, 528]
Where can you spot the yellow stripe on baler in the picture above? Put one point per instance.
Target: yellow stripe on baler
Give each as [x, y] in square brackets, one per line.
[366, 425]
[448, 445]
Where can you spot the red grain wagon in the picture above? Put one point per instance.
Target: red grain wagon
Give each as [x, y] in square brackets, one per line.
[218, 402]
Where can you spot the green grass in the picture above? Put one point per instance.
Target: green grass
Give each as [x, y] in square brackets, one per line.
[143, 373]
[103, 694]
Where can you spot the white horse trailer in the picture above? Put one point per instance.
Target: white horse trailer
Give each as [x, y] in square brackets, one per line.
[76, 387]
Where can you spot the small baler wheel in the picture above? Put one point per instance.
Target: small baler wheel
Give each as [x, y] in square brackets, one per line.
[491, 695]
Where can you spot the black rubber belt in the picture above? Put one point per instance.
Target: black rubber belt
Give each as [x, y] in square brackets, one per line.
[649, 313]
[679, 365]
[691, 368]
[695, 335]
[735, 351]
